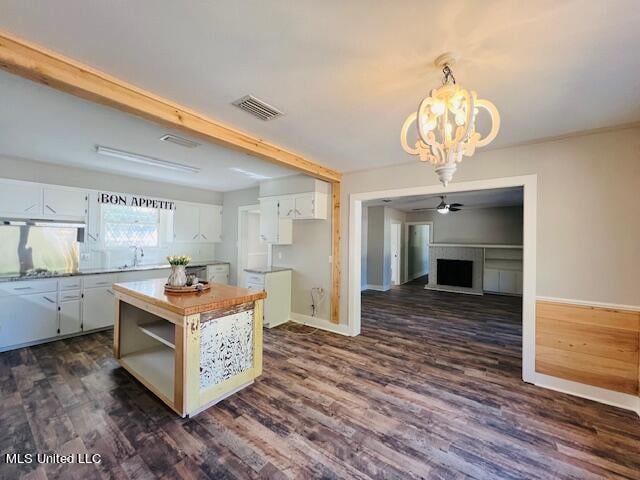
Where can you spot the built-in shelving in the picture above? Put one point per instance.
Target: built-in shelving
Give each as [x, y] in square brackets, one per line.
[162, 331]
[154, 368]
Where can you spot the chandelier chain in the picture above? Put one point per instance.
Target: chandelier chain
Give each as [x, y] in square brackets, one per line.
[448, 75]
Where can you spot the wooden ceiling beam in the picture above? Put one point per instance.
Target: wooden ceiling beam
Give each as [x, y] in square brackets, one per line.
[35, 63]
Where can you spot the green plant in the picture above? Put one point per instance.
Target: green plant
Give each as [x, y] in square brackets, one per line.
[178, 260]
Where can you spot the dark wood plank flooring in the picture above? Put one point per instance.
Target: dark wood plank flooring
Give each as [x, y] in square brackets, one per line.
[431, 389]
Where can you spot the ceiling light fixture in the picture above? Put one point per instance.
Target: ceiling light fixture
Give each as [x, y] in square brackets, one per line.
[145, 160]
[446, 124]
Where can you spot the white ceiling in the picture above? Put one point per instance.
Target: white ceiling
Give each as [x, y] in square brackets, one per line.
[346, 74]
[503, 197]
[42, 124]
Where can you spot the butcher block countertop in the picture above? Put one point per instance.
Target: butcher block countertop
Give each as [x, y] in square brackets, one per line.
[218, 296]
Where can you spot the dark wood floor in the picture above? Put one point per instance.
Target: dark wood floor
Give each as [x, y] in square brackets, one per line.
[431, 389]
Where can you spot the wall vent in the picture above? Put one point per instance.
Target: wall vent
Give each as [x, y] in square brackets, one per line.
[183, 142]
[257, 107]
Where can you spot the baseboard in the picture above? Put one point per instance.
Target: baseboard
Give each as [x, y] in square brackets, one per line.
[597, 394]
[321, 323]
[586, 303]
[378, 288]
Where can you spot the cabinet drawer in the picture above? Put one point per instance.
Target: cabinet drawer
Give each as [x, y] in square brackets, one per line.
[92, 281]
[255, 278]
[27, 287]
[218, 268]
[69, 295]
[255, 286]
[72, 283]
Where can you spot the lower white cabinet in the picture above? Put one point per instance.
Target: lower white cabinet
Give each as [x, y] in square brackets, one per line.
[218, 273]
[98, 308]
[28, 318]
[69, 313]
[277, 305]
[502, 281]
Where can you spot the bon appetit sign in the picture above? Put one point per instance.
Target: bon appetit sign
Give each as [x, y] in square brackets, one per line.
[135, 201]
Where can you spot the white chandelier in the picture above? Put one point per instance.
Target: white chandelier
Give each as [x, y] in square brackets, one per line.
[446, 124]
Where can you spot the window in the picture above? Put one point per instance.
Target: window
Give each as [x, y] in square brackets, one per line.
[125, 226]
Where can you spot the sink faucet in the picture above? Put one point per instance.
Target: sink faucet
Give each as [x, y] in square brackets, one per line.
[135, 254]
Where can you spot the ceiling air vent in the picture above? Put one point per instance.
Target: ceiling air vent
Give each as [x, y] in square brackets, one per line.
[257, 107]
[183, 142]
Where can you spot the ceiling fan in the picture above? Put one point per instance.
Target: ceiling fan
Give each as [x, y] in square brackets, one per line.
[444, 207]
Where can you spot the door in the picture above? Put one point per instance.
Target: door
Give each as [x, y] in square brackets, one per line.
[98, 308]
[269, 220]
[395, 253]
[28, 318]
[20, 199]
[186, 222]
[70, 317]
[62, 202]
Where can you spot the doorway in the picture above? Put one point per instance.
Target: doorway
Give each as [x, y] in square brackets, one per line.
[418, 237]
[253, 252]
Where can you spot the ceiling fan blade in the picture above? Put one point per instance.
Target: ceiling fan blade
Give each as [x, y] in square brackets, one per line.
[456, 205]
[454, 209]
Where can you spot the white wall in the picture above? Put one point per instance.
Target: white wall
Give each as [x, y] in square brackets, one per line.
[31, 171]
[418, 250]
[494, 225]
[378, 253]
[587, 210]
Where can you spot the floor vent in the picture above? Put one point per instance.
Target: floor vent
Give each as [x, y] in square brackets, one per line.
[183, 142]
[257, 107]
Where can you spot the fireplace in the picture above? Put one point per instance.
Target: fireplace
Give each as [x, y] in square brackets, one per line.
[455, 273]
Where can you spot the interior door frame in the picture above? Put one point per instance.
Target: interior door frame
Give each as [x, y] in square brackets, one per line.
[242, 213]
[530, 187]
[406, 244]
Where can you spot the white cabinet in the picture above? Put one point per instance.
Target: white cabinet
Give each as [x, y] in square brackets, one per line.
[503, 281]
[218, 273]
[197, 223]
[186, 222]
[20, 200]
[64, 203]
[98, 308]
[273, 228]
[27, 318]
[210, 223]
[277, 305]
[69, 316]
[303, 206]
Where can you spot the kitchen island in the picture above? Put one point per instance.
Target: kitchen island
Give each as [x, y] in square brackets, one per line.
[190, 350]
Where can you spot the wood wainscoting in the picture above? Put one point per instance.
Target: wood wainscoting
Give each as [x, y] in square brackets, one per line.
[591, 345]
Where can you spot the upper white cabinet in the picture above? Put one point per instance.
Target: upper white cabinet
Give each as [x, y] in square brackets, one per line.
[64, 203]
[304, 206]
[197, 223]
[274, 228]
[20, 200]
[186, 222]
[210, 223]
[32, 200]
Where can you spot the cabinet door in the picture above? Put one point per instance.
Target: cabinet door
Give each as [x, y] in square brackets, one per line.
[210, 223]
[519, 283]
[491, 280]
[305, 206]
[98, 308]
[269, 219]
[186, 222]
[20, 200]
[27, 318]
[62, 202]
[508, 281]
[70, 317]
[220, 278]
[287, 206]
